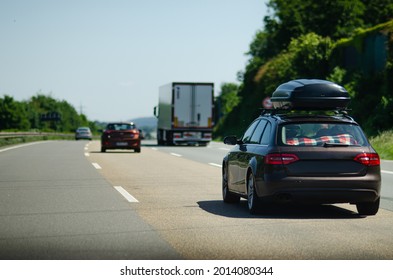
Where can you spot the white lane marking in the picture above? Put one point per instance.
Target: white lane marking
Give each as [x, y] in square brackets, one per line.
[96, 165]
[215, 164]
[387, 172]
[126, 195]
[87, 154]
[19, 146]
[225, 149]
[176, 155]
[154, 149]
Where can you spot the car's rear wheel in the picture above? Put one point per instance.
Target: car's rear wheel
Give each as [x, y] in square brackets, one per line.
[103, 150]
[368, 208]
[137, 150]
[227, 195]
[253, 201]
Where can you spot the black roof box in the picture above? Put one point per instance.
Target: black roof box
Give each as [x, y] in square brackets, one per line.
[312, 94]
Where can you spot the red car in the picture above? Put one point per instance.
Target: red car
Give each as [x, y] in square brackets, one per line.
[121, 136]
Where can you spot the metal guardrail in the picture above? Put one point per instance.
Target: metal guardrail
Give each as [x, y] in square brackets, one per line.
[12, 138]
[10, 135]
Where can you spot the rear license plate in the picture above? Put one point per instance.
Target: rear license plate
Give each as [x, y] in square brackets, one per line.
[192, 135]
[121, 144]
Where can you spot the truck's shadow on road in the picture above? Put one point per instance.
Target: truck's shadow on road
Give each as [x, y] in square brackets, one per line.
[239, 210]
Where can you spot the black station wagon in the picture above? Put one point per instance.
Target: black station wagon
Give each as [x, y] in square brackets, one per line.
[306, 149]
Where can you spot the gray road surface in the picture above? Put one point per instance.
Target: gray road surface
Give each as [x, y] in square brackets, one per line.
[55, 205]
[64, 200]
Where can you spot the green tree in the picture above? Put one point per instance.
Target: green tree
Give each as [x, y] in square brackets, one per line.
[70, 119]
[311, 55]
[377, 11]
[41, 105]
[334, 18]
[13, 114]
[228, 98]
[297, 42]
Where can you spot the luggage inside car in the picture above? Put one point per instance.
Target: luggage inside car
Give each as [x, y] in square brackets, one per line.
[310, 94]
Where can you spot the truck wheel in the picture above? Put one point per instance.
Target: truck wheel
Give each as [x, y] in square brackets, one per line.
[169, 139]
[160, 142]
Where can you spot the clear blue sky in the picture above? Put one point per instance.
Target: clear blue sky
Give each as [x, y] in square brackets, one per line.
[108, 58]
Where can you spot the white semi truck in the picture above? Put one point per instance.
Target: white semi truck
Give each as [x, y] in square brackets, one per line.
[185, 113]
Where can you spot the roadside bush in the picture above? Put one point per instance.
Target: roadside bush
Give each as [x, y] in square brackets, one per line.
[383, 144]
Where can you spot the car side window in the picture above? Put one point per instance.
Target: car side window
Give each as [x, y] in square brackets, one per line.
[247, 135]
[256, 136]
[266, 135]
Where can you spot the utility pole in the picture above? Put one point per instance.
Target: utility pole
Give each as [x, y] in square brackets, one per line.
[81, 109]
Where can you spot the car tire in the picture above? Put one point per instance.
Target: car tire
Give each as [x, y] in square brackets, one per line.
[253, 201]
[368, 208]
[138, 150]
[103, 150]
[227, 195]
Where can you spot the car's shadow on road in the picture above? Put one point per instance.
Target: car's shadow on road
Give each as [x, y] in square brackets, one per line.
[115, 152]
[151, 145]
[278, 211]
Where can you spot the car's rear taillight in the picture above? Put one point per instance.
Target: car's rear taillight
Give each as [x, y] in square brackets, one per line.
[368, 159]
[280, 158]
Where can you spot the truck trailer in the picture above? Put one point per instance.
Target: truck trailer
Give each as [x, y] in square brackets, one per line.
[185, 113]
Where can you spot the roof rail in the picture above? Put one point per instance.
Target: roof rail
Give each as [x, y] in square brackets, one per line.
[273, 111]
[298, 112]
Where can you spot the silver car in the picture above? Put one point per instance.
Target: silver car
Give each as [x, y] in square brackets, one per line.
[83, 133]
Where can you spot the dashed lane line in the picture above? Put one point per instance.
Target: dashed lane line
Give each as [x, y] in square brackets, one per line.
[125, 194]
[96, 165]
[176, 155]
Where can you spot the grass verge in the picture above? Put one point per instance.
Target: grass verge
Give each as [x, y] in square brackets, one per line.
[383, 144]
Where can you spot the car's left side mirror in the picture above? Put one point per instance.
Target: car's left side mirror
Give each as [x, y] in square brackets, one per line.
[231, 140]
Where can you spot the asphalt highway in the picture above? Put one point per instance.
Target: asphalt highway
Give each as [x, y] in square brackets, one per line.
[67, 200]
[55, 205]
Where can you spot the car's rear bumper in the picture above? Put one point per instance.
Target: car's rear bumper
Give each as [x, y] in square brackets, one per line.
[121, 144]
[320, 196]
[77, 137]
[322, 190]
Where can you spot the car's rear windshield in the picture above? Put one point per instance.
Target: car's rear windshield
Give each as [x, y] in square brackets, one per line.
[317, 134]
[120, 126]
[83, 129]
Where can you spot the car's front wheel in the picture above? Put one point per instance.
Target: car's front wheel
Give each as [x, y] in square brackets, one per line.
[368, 208]
[253, 201]
[227, 196]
